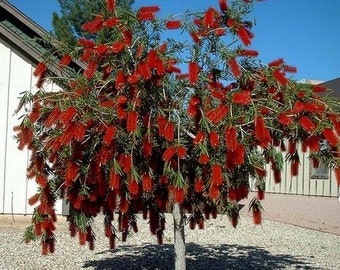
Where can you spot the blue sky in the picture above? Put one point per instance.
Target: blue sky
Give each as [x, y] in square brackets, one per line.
[306, 33]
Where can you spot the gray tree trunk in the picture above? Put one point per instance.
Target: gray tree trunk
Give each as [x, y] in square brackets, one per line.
[179, 241]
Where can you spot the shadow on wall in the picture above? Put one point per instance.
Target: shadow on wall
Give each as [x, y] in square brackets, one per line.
[160, 257]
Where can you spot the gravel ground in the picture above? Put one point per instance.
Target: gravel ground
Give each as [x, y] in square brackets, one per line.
[272, 245]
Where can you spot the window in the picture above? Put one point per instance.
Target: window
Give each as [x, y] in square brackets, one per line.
[321, 172]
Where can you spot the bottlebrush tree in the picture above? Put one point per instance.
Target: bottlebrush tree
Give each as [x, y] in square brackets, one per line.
[155, 124]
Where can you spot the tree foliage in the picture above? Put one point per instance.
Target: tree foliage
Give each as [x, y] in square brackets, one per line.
[67, 26]
[154, 121]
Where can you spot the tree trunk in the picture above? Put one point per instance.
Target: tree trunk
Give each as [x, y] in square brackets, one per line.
[179, 241]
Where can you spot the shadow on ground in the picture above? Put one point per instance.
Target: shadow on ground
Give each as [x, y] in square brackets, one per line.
[155, 257]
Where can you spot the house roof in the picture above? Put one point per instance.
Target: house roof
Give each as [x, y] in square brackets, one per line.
[26, 38]
[334, 85]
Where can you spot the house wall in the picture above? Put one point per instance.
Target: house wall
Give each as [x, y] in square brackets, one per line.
[15, 77]
[303, 183]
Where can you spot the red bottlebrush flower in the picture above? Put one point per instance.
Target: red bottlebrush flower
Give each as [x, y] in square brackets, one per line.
[82, 238]
[118, 46]
[152, 58]
[261, 132]
[307, 124]
[319, 88]
[160, 68]
[199, 138]
[132, 121]
[248, 53]
[149, 9]
[223, 5]
[192, 110]
[34, 199]
[134, 188]
[245, 36]
[115, 180]
[292, 147]
[195, 37]
[121, 113]
[101, 49]
[120, 80]
[232, 194]
[216, 175]
[242, 98]
[289, 69]
[214, 192]
[204, 159]
[146, 147]
[260, 194]
[169, 131]
[179, 194]
[242, 192]
[209, 17]
[214, 139]
[127, 164]
[336, 122]
[110, 22]
[231, 138]
[280, 77]
[330, 136]
[261, 172]
[110, 5]
[314, 107]
[44, 247]
[220, 113]
[276, 63]
[277, 176]
[71, 173]
[144, 69]
[146, 182]
[231, 23]
[41, 180]
[294, 167]
[181, 152]
[40, 69]
[35, 113]
[285, 119]
[234, 67]
[301, 94]
[238, 155]
[145, 15]
[160, 236]
[161, 121]
[192, 223]
[93, 26]
[68, 115]
[313, 144]
[90, 70]
[86, 43]
[199, 185]
[169, 153]
[65, 61]
[175, 24]
[257, 216]
[52, 117]
[109, 135]
[195, 100]
[337, 174]
[194, 69]
[234, 221]
[298, 107]
[219, 31]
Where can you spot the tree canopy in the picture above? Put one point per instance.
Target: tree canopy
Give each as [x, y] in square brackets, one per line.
[67, 26]
[155, 123]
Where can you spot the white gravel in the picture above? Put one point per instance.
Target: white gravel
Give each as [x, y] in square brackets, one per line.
[272, 245]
